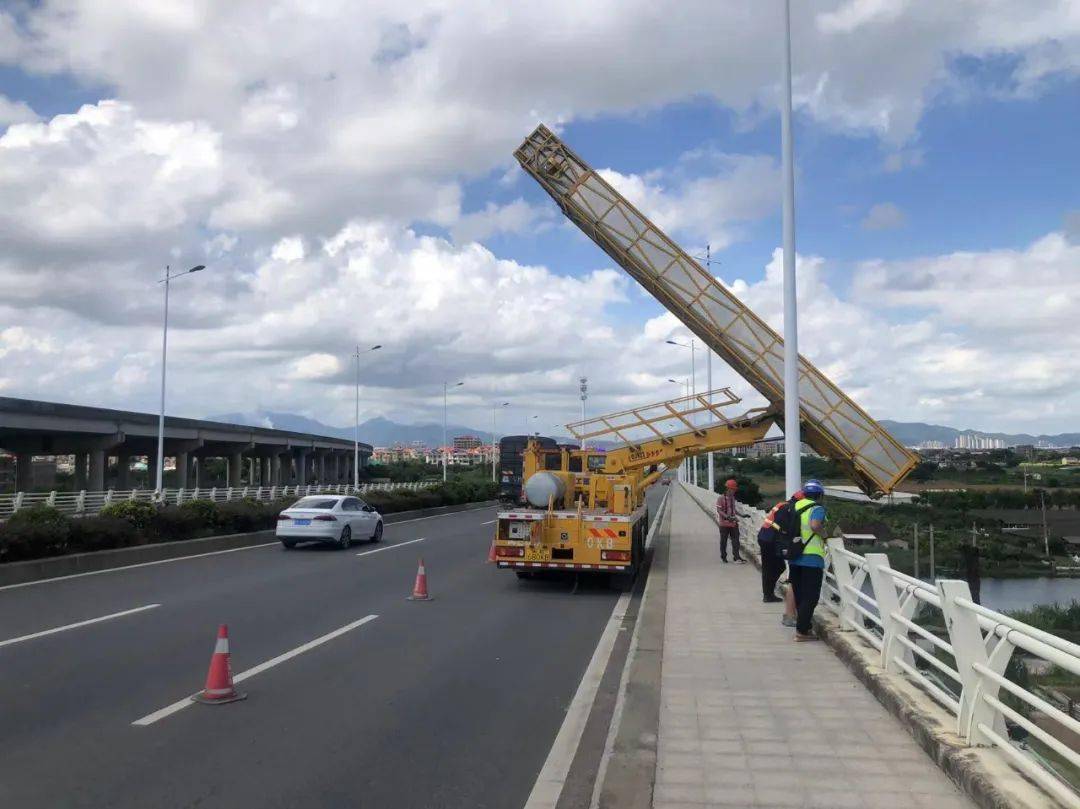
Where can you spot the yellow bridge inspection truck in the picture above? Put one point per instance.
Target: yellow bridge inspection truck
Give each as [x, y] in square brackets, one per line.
[586, 507]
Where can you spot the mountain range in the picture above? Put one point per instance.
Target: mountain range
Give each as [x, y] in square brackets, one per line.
[383, 432]
[378, 431]
[915, 432]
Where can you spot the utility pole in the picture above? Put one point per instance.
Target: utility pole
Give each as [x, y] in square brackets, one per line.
[792, 438]
[1046, 534]
[445, 387]
[584, 395]
[916, 560]
[933, 570]
[356, 429]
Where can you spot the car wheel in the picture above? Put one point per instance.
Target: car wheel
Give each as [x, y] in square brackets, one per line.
[288, 544]
[378, 533]
[346, 538]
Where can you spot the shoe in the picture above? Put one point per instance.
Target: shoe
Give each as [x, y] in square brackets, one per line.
[786, 621]
[772, 600]
[722, 559]
[740, 561]
[801, 638]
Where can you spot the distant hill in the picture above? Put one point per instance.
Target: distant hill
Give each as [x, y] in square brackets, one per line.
[913, 433]
[378, 431]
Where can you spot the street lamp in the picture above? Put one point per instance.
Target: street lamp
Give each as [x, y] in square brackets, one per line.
[446, 387]
[683, 467]
[356, 434]
[708, 262]
[693, 388]
[159, 486]
[494, 450]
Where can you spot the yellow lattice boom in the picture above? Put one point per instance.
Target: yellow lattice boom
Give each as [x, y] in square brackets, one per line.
[833, 424]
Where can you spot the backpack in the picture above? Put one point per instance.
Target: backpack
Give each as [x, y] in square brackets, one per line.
[787, 522]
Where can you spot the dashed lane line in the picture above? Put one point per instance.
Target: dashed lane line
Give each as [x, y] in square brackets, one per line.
[391, 547]
[179, 705]
[88, 622]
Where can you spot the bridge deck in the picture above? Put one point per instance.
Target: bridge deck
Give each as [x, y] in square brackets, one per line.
[750, 718]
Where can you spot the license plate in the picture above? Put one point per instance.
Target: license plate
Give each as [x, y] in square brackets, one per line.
[537, 553]
[303, 522]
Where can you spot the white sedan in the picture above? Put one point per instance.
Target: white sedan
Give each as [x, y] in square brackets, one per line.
[332, 518]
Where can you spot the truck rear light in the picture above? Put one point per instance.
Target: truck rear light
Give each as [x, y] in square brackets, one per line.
[509, 550]
[615, 556]
[325, 518]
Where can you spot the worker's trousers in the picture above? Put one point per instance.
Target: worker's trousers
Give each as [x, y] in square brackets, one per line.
[806, 584]
[772, 566]
[732, 533]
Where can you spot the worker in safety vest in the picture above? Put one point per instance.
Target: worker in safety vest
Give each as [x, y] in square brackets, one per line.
[772, 562]
[807, 570]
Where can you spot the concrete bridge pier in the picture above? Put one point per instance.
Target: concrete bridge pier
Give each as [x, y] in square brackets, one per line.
[24, 462]
[123, 471]
[235, 461]
[80, 470]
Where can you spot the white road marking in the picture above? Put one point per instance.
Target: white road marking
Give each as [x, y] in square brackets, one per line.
[489, 522]
[391, 547]
[137, 565]
[53, 631]
[552, 778]
[201, 555]
[549, 783]
[179, 705]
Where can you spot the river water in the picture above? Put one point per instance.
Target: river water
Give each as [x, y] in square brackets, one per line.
[1018, 594]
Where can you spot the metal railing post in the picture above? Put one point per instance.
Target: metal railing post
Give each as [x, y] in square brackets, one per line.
[108, 497]
[52, 499]
[842, 571]
[17, 504]
[969, 648]
[888, 603]
[80, 502]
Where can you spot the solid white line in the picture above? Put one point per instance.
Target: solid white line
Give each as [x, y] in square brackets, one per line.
[201, 555]
[391, 547]
[549, 783]
[179, 705]
[53, 631]
[137, 565]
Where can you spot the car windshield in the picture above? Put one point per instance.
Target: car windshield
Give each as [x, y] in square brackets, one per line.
[314, 502]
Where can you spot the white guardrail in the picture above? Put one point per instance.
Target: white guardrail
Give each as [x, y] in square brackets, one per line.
[964, 668]
[86, 503]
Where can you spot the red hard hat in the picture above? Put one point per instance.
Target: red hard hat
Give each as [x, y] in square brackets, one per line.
[731, 484]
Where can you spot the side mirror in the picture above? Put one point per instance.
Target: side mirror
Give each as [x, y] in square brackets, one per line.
[369, 508]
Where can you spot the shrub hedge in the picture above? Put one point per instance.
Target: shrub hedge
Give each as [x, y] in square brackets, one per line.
[40, 531]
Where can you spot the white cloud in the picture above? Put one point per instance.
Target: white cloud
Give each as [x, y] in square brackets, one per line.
[709, 208]
[15, 112]
[883, 216]
[514, 217]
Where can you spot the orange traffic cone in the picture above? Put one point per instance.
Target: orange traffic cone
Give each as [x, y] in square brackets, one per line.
[491, 553]
[219, 683]
[419, 590]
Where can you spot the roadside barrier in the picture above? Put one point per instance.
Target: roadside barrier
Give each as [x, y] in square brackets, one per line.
[92, 502]
[219, 687]
[420, 591]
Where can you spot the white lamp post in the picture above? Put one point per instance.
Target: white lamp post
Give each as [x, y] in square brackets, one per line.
[693, 390]
[159, 488]
[683, 468]
[494, 449]
[792, 439]
[446, 387]
[356, 432]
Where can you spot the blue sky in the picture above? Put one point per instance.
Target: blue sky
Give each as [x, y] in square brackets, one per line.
[340, 197]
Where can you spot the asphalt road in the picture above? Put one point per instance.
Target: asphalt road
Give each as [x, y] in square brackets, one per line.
[449, 703]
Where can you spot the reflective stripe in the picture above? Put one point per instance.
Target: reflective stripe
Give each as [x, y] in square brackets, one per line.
[813, 545]
[222, 646]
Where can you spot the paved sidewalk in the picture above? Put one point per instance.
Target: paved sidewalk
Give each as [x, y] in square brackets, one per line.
[735, 727]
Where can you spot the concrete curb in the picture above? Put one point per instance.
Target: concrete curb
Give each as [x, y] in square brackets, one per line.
[627, 775]
[982, 774]
[56, 566]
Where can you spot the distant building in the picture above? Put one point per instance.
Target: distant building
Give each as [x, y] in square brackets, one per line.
[466, 442]
[977, 441]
